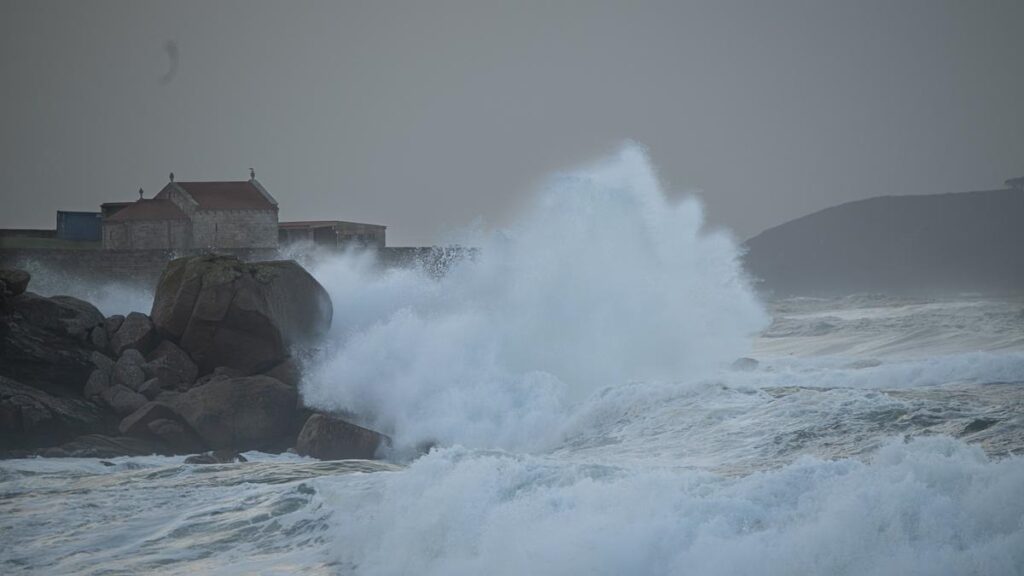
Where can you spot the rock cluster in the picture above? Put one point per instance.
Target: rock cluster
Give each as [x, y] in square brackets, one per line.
[211, 368]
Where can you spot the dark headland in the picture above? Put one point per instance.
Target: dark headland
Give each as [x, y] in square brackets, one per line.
[925, 244]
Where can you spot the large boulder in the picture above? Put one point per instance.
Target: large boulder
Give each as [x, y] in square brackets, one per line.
[225, 312]
[248, 413]
[329, 438]
[12, 283]
[31, 418]
[44, 342]
[158, 421]
[171, 365]
[122, 399]
[136, 333]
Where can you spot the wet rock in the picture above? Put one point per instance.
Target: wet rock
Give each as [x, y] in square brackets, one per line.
[136, 332]
[171, 365]
[224, 312]
[112, 324]
[250, 413]
[122, 399]
[133, 357]
[30, 417]
[151, 388]
[135, 424]
[329, 438]
[177, 435]
[167, 396]
[158, 421]
[97, 384]
[220, 373]
[978, 425]
[745, 364]
[128, 374]
[13, 282]
[287, 371]
[101, 446]
[216, 457]
[101, 361]
[98, 337]
[45, 341]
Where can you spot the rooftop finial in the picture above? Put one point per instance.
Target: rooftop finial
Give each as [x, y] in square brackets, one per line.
[172, 176]
[140, 193]
[252, 174]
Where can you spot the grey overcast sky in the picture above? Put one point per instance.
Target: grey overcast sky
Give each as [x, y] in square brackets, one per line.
[428, 115]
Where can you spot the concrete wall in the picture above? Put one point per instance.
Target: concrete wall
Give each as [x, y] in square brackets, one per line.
[234, 229]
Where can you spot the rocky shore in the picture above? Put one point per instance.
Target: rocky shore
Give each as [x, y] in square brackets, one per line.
[213, 370]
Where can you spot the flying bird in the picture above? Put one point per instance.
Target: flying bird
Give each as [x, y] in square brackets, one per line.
[171, 48]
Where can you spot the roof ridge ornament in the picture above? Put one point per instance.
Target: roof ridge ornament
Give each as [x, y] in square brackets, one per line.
[252, 174]
[172, 176]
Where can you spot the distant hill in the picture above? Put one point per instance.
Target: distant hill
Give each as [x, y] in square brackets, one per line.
[931, 244]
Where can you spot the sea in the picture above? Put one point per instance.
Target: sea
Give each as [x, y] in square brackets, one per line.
[599, 389]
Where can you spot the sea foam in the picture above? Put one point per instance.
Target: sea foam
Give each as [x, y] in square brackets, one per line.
[601, 280]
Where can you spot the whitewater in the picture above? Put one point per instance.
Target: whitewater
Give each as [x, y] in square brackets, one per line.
[596, 389]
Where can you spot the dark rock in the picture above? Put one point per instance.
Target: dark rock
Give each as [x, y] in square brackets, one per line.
[135, 424]
[745, 364]
[30, 417]
[133, 357]
[98, 337]
[112, 324]
[250, 413]
[127, 374]
[158, 421]
[978, 425]
[123, 400]
[171, 365]
[167, 396]
[216, 457]
[329, 438]
[14, 282]
[176, 435]
[287, 371]
[101, 361]
[151, 388]
[225, 312]
[136, 332]
[98, 383]
[220, 373]
[54, 452]
[44, 341]
[100, 446]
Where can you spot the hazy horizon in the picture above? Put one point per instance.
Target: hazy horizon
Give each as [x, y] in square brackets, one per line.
[428, 117]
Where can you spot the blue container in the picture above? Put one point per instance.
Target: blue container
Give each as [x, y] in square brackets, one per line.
[79, 226]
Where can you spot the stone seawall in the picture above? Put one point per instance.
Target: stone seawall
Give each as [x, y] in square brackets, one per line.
[142, 268]
[131, 267]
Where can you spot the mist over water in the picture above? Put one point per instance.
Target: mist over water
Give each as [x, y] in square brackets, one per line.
[602, 280]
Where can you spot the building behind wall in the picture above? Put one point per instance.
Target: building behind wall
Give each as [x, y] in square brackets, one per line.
[194, 215]
[331, 234]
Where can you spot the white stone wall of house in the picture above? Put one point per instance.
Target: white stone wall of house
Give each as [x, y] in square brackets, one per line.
[234, 229]
[147, 235]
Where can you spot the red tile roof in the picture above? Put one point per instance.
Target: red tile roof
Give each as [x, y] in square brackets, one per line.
[325, 223]
[241, 195]
[149, 209]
